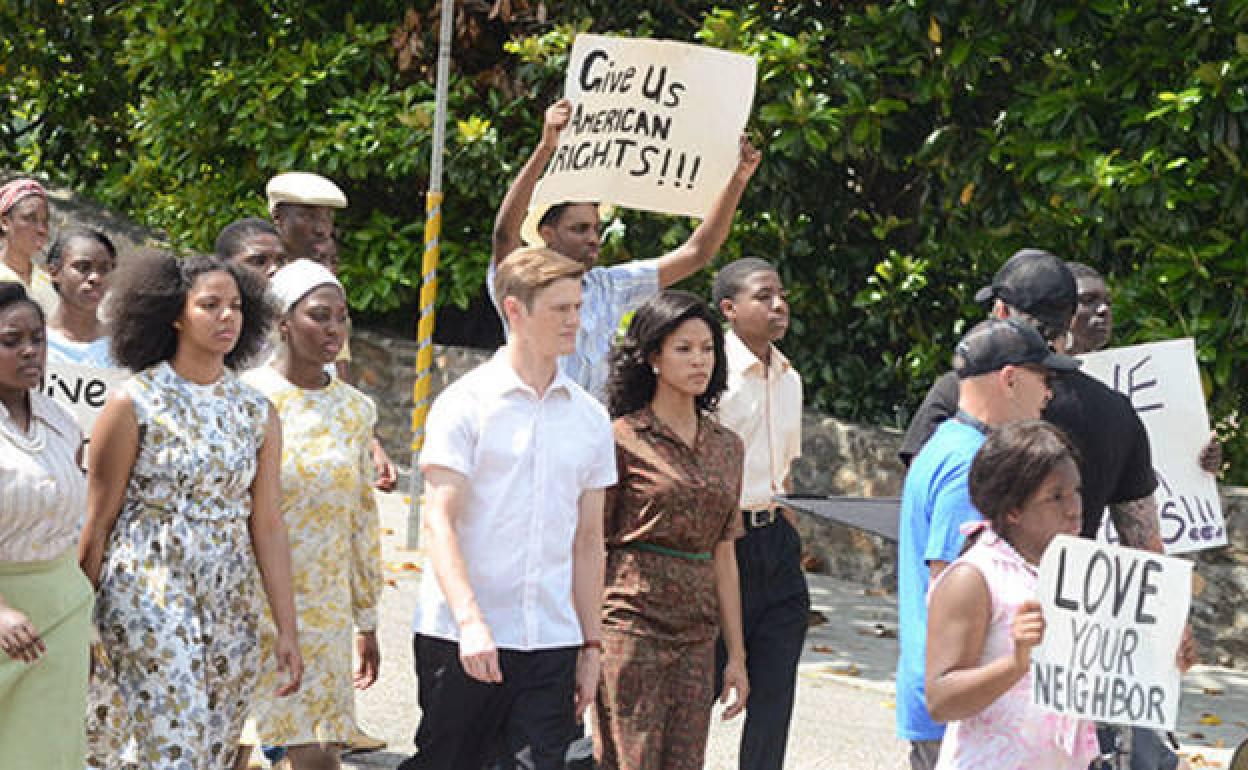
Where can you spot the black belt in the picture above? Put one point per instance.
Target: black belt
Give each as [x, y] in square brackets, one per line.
[758, 518]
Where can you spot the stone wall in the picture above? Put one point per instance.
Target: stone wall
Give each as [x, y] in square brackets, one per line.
[838, 458]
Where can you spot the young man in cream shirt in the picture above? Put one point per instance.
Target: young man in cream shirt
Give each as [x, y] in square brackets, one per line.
[763, 405]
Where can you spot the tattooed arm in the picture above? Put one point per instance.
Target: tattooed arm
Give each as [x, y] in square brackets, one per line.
[1138, 524]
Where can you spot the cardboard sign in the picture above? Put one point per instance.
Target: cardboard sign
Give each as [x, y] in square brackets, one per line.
[1113, 620]
[82, 390]
[1163, 383]
[655, 125]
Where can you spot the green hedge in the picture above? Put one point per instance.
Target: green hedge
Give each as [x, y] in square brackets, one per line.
[909, 148]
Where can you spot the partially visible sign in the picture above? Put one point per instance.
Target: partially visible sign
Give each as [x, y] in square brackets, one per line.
[82, 390]
[655, 125]
[1162, 381]
[1113, 620]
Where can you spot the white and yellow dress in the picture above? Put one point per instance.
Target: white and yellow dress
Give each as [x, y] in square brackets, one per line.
[331, 515]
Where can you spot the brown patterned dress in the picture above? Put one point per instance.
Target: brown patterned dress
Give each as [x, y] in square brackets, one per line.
[673, 504]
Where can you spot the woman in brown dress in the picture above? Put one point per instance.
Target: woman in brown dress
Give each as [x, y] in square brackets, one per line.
[671, 581]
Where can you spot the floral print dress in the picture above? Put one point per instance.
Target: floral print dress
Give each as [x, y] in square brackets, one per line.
[178, 604]
[331, 514]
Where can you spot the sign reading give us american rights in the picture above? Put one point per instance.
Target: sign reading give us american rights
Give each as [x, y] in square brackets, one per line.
[655, 125]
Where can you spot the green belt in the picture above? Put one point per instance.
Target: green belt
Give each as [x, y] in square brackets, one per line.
[652, 548]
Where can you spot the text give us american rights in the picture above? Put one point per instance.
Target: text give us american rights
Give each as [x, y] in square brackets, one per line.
[655, 125]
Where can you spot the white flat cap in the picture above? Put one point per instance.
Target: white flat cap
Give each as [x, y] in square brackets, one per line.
[305, 189]
[297, 279]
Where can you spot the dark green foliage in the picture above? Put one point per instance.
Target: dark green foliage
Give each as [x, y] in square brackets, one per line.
[910, 147]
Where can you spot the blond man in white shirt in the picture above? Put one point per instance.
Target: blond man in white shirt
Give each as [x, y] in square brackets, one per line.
[763, 404]
[507, 637]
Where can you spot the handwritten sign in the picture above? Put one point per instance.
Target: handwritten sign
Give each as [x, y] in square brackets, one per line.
[1114, 619]
[655, 125]
[1162, 382]
[82, 390]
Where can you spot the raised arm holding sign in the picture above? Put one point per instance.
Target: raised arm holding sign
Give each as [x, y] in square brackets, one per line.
[681, 98]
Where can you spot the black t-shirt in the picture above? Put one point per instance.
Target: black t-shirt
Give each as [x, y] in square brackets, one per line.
[1114, 457]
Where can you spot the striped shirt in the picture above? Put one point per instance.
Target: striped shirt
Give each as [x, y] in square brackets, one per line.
[44, 492]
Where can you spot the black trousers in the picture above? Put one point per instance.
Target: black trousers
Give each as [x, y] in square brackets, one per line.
[775, 605]
[525, 723]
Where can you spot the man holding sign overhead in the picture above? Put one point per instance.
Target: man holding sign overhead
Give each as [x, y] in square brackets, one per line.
[633, 131]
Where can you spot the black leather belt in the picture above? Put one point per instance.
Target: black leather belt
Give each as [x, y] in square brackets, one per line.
[758, 518]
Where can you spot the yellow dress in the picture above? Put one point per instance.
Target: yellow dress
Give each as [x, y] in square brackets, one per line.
[331, 515]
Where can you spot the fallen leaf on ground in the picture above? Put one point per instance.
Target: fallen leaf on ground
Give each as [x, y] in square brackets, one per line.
[878, 630]
[875, 592]
[823, 648]
[387, 531]
[1212, 720]
[403, 566]
[1213, 691]
[816, 618]
[391, 582]
[846, 670]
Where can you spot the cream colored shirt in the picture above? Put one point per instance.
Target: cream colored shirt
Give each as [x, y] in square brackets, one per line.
[764, 407]
[43, 493]
[40, 287]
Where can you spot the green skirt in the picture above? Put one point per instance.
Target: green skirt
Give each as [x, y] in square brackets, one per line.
[43, 704]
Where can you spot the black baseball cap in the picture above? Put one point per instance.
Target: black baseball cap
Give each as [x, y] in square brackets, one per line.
[1037, 283]
[997, 343]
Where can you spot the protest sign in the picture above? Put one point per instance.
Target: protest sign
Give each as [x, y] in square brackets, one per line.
[1162, 382]
[655, 125]
[82, 390]
[1113, 621]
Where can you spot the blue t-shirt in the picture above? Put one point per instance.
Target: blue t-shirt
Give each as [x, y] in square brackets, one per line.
[935, 502]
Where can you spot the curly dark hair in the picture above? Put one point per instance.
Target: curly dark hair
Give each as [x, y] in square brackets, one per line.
[1014, 461]
[632, 381]
[149, 293]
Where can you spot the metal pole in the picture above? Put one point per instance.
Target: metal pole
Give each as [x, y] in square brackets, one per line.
[429, 271]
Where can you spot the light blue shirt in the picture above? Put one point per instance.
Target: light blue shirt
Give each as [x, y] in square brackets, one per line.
[608, 294]
[934, 503]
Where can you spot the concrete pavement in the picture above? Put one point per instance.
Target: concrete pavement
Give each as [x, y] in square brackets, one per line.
[845, 710]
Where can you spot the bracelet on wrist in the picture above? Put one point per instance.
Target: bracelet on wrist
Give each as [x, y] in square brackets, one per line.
[592, 644]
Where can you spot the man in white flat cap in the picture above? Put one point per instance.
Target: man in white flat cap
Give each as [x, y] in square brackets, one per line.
[574, 230]
[302, 207]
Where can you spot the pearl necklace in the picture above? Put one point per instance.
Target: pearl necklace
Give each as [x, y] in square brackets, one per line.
[31, 442]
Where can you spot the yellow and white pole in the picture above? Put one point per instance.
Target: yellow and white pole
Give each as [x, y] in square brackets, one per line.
[429, 271]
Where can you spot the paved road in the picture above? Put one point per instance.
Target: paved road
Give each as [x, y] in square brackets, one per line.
[844, 714]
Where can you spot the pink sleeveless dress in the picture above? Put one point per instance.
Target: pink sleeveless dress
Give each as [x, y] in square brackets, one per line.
[1011, 732]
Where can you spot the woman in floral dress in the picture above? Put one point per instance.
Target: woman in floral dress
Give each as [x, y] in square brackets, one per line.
[328, 504]
[181, 510]
[671, 522]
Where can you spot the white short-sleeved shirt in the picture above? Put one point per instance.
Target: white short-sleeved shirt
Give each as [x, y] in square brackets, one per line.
[764, 407]
[607, 295]
[527, 459]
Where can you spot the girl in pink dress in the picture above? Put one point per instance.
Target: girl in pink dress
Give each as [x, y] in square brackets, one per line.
[983, 620]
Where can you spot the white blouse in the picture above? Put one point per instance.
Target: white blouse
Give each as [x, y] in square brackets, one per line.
[43, 492]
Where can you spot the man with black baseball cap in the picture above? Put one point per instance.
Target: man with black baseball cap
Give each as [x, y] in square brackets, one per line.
[1003, 368]
[1115, 461]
